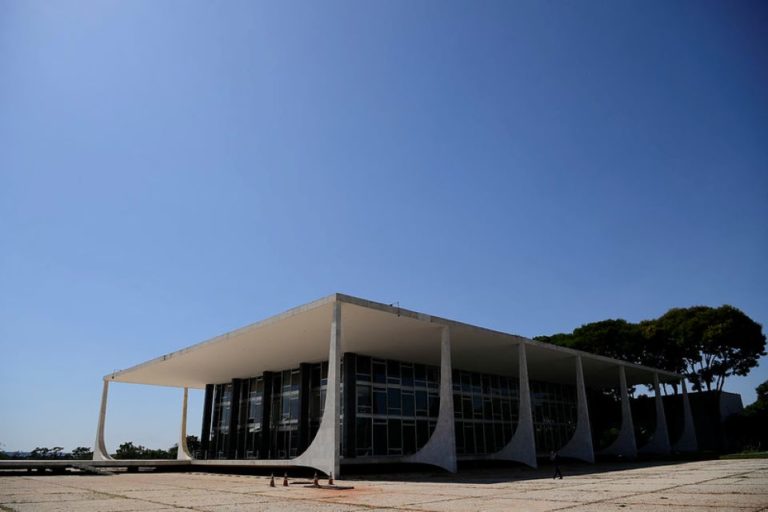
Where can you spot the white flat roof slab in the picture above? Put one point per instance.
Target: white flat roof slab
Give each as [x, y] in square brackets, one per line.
[302, 334]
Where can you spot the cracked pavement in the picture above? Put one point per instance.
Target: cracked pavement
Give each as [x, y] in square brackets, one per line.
[716, 485]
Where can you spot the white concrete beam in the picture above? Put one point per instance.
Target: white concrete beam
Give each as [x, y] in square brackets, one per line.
[687, 441]
[440, 449]
[99, 448]
[183, 451]
[522, 446]
[625, 444]
[659, 443]
[580, 445]
[323, 452]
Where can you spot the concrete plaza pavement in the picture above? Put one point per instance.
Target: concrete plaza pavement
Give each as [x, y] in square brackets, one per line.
[728, 485]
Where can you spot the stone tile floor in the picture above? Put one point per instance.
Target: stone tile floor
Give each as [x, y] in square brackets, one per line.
[731, 485]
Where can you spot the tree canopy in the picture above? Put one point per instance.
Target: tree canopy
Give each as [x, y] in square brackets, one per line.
[760, 406]
[82, 453]
[193, 444]
[42, 452]
[704, 343]
[128, 450]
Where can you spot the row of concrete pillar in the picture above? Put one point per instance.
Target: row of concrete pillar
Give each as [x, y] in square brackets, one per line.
[440, 449]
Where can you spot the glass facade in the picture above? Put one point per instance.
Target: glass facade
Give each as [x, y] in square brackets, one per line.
[485, 409]
[396, 406]
[284, 420]
[388, 408]
[265, 417]
[604, 416]
[318, 383]
[222, 410]
[554, 414]
[249, 442]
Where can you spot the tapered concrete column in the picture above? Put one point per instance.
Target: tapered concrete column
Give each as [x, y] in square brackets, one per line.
[659, 443]
[323, 453]
[440, 450]
[99, 448]
[183, 451]
[522, 446]
[687, 441]
[580, 445]
[625, 444]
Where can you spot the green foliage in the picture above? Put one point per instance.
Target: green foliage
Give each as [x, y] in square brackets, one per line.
[44, 453]
[562, 339]
[128, 450]
[612, 338]
[714, 343]
[760, 406]
[706, 344]
[82, 453]
[193, 444]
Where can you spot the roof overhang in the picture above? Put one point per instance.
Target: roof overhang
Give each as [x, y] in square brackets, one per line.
[302, 335]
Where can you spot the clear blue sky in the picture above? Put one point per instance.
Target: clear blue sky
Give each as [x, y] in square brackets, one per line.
[172, 170]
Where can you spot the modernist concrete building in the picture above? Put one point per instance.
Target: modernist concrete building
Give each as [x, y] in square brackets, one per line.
[343, 381]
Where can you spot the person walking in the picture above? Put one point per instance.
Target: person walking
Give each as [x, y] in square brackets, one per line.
[555, 458]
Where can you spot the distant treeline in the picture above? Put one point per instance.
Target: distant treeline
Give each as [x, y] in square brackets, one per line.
[126, 450]
[45, 453]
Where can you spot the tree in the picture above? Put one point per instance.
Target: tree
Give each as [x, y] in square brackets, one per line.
[619, 339]
[612, 338]
[706, 344]
[128, 450]
[659, 352]
[193, 444]
[82, 453]
[760, 406]
[42, 453]
[715, 343]
[561, 339]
